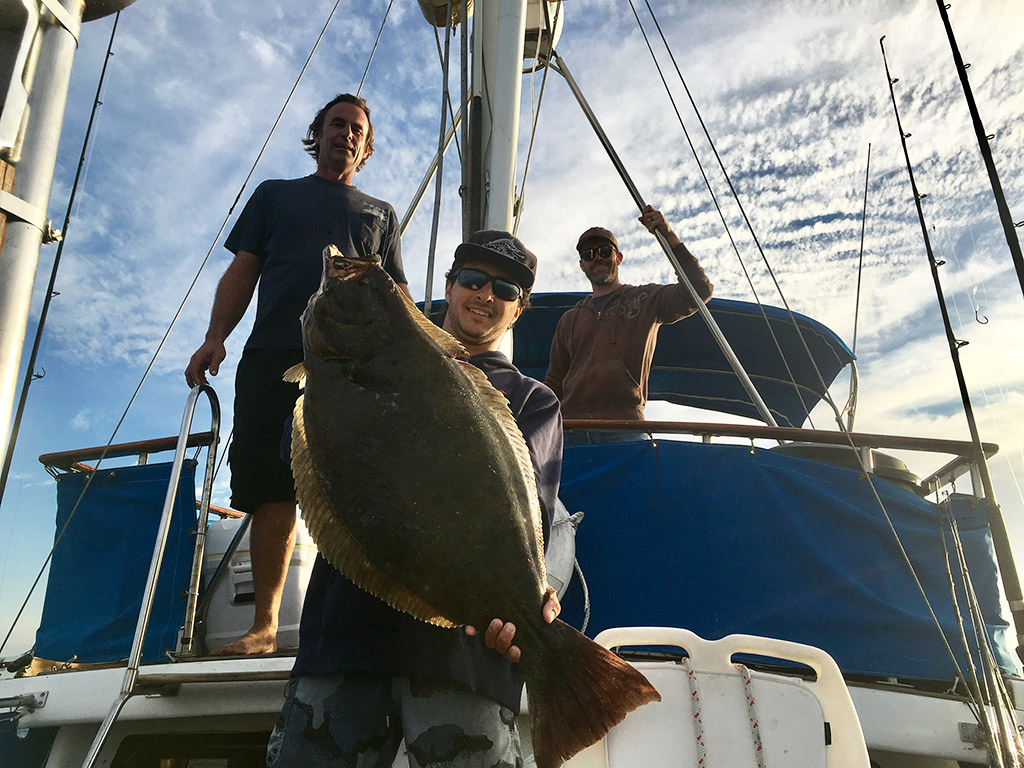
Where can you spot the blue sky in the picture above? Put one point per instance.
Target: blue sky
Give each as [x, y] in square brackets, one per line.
[792, 94]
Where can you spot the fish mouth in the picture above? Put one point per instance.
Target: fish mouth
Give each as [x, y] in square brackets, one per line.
[343, 267]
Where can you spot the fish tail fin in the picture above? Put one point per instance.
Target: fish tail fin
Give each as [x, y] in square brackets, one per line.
[577, 691]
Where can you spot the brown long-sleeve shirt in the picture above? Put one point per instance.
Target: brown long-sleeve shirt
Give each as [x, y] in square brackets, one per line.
[600, 361]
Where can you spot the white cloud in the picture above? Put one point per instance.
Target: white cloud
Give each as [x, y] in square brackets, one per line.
[83, 419]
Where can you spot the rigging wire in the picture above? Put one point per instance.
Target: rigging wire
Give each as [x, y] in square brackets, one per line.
[721, 215]
[973, 685]
[1003, 728]
[826, 397]
[174, 319]
[860, 258]
[851, 403]
[439, 178]
[549, 25]
[373, 50]
[446, 70]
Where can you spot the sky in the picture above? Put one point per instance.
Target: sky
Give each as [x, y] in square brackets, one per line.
[792, 92]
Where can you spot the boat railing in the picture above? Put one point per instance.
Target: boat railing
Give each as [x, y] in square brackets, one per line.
[963, 450]
[185, 644]
[74, 460]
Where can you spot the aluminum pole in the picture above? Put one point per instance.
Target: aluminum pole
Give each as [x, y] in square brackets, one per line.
[50, 69]
[498, 35]
[723, 343]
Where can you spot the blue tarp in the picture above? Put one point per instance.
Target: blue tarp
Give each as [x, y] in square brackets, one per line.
[99, 568]
[722, 540]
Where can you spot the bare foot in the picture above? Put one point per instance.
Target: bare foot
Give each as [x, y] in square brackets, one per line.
[255, 641]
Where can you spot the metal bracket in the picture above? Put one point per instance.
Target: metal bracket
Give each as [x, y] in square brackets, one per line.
[29, 702]
[28, 213]
[64, 18]
[22, 210]
[972, 733]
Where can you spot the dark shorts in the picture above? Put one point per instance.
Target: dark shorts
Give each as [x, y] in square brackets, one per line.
[263, 403]
[358, 720]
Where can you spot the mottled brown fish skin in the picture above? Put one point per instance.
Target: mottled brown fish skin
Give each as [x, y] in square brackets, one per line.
[434, 502]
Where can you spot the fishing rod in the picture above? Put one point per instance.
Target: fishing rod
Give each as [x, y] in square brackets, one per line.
[1009, 226]
[1000, 540]
[851, 404]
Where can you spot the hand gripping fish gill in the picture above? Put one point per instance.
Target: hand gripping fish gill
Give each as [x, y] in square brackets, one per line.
[416, 483]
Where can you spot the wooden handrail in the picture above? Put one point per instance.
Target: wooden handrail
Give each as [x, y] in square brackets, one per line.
[67, 459]
[860, 439]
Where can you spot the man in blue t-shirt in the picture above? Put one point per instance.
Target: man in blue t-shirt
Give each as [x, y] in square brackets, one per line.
[366, 675]
[278, 243]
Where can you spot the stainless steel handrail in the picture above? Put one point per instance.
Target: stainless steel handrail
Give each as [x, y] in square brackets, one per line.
[134, 658]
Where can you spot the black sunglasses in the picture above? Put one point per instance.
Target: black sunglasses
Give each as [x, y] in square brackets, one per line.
[604, 251]
[475, 279]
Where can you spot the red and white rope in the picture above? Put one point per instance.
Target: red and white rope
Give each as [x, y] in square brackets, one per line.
[698, 723]
[755, 730]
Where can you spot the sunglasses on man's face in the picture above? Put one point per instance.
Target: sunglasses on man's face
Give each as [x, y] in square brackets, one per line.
[604, 251]
[475, 279]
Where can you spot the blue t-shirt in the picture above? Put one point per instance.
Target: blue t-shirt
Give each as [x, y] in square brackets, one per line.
[345, 629]
[287, 224]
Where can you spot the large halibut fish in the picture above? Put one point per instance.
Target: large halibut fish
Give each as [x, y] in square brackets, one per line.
[416, 483]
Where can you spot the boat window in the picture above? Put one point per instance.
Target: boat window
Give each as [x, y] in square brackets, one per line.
[193, 750]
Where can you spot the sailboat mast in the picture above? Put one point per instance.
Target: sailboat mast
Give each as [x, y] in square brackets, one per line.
[499, 31]
[986, 151]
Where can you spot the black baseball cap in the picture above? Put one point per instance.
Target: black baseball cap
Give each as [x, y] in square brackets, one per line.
[597, 233]
[502, 249]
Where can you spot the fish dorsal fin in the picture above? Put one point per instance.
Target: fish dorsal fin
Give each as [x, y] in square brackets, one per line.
[296, 374]
[497, 404]
[334, 542]
[448, 343]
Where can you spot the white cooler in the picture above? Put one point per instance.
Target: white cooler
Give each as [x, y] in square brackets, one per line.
[231, 611]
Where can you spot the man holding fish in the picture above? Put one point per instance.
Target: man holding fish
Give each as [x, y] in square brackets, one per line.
[367, 674]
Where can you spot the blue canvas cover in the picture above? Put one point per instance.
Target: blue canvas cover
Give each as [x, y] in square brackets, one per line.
[98, 571]
[689, 368]
[720, 539]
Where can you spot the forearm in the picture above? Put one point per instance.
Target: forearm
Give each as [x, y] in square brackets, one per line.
[693, 270]
[234, 292]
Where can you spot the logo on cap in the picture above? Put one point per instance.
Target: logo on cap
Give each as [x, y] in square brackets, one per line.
[507, 247]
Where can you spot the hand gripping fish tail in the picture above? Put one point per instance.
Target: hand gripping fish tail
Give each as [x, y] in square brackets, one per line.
[577, 691]
[389, 428]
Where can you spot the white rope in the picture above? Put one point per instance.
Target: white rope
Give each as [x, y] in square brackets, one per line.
[698, 723]
[755, 730]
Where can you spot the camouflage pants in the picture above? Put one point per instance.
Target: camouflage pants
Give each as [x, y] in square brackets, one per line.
[359, 720]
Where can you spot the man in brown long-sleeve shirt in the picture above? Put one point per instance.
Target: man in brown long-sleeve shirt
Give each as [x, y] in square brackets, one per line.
[602, 350]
